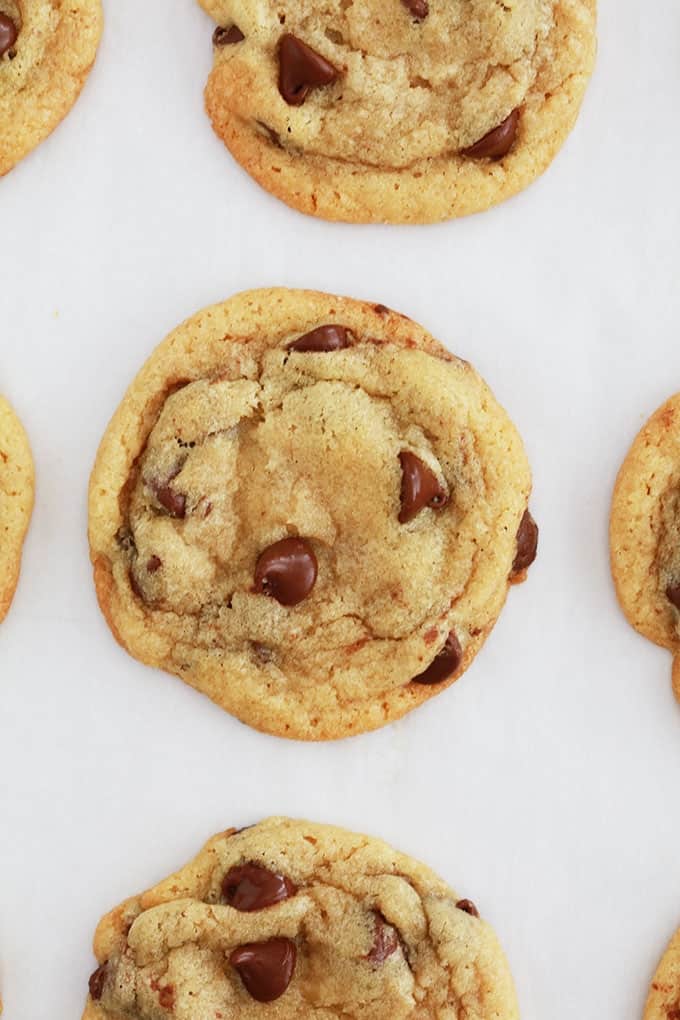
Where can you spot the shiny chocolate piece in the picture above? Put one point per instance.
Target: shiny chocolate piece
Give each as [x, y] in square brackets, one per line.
[527, 544]
[673, 595]
[97, 982]
[265, 968]
[467, 906]
[301, 69]
[251, 887]
[174, 502]
[498, 142]
[9, 33]
[445, 663]
[287, 571]
[228, 36]
[418, 8]
[420, 487]
[385, 941]
[322, 339]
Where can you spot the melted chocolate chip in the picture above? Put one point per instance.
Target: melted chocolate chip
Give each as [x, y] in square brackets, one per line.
[9, 33]
[673, 595]
[252, 887]
[385, 941]
[227, 36]
[153, 564]
[420, 487]
[444, 664]
[265, 968]
[301, 69]
[498, 142]
[174, 502]
[468, 906]
[322, 339]
[287, 571]
[97, 982]
[527, 544]
[418, 8]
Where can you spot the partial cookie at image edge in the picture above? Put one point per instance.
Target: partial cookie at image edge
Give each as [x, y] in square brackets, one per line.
[663, 1001]
[17, 485]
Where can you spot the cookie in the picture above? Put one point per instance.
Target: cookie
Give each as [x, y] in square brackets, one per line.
[308, 510]
[645, 532]
[16, 501]
[47, 48]
[663, 1002]
[398, 111]
[312, 920]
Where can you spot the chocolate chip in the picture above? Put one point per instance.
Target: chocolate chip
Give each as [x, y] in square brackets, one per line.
[498, 142]
[445, 663]
[322, 339]
[673, 595]
[385, 941]
[252, 887]
[265, 968]
[420, 487]
[97, 982]
[9, 33]
[301, 69]
[174, 502]
[418, 8]
[227, 36]
[468, 906]
[287, 571]
[154, 564]
[527, 544]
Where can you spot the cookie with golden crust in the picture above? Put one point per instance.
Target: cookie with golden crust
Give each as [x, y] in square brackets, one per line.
[645, 532]
[47, 48]
[399, 111]
[308, 510]
[16, 501]
[663, 1002]
[292, 920]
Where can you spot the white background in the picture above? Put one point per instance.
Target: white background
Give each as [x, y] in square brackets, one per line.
[545, 784]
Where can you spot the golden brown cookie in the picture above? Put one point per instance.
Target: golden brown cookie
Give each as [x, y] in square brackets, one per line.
[399, 111]
[47, 48]
[663, 1002]
[16, 501]
[645, 532]
[308, 510]
[289, 920]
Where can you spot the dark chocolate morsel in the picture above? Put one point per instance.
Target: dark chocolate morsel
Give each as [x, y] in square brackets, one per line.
[385, 941]
[9, 33]
[322, 339]
[287, 571]
[418, 8]
[468, 906]
[251, 887]
[527, 544]
[420, 487]
[97, 982]
[445, 663]
[227, 36]
[496, 143]
[265, 968]
[673, 595]
[301, 69]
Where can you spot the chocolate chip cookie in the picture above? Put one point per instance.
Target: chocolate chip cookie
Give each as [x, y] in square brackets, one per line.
[306, 508]
[16, 501]
[47, 48]
[663, 1002]
[399, 111]
[645, 532]
[287, 920]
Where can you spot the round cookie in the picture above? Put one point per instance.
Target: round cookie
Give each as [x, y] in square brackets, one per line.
[398, 111]
[47, 48]
[663, 1002]
[312, 920]
[16, 501]
[645, 532]
[310, 511]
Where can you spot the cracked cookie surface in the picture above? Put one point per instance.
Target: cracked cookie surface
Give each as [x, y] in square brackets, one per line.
[663, 1002]
[397, 110]
[47, 48]
[308, 510]
[645, 532]
[289, 920]
[16, 500]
